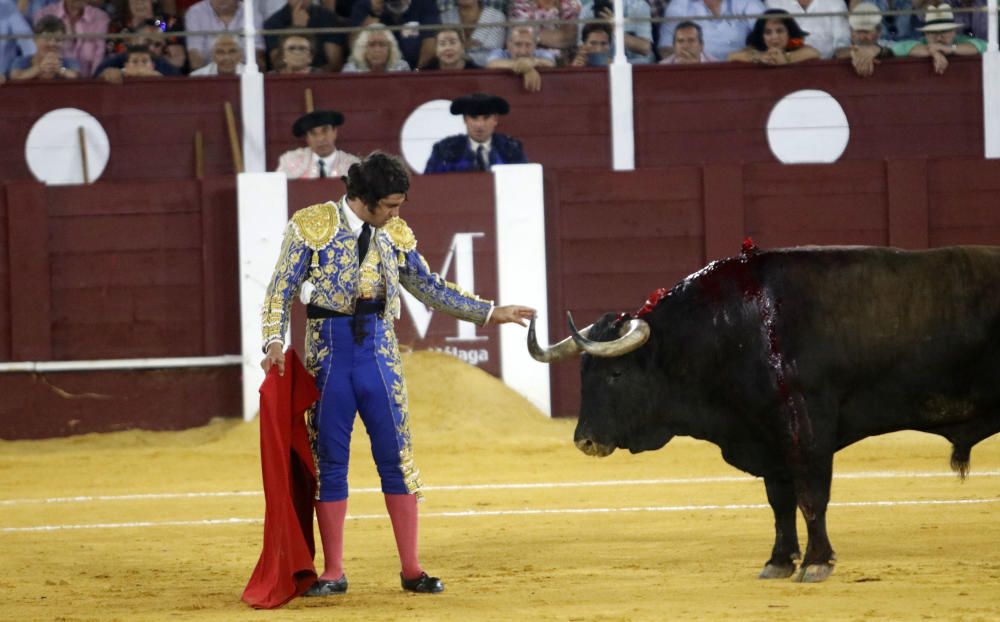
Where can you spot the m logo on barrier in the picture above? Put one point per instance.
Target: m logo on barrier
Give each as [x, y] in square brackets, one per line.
[460, 251]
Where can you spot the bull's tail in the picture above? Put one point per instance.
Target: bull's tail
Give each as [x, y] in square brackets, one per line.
[960, 459]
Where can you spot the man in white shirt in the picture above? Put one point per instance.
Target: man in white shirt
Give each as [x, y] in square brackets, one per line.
[226, 58]
[826, 34]
[215, 15]
[320, 157]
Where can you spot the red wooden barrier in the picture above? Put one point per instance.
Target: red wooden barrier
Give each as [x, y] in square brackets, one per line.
[718, 112]
[683, 115]
[147, 270]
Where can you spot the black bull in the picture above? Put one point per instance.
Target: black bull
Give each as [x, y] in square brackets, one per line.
[783, 357]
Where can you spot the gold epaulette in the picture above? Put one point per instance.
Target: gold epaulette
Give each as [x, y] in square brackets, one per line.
[400, 233]
[317, 224]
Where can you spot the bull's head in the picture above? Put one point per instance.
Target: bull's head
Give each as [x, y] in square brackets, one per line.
[617, 383]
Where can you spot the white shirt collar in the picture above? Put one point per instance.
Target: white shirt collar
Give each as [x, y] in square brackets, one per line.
[328, 160]
[353, 221]
[475, 146]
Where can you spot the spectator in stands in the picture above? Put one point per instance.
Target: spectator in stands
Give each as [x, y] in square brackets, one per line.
[330, 48]
[638, 35]
[174, 50]
[867, 45]
[375, 50]
[775, 41]
[13, 23]
[688, 47]
[558, 38]
[975, 23]
[320, 157]
[139, 63]
[227, 59]
[827, 33]
[416, 44]
[148, 36]
[266, 8]
[482, 146]
[130, 17]
[80, 18]
[295, 55]
[48, 62]
[501, 6]
[451, 52]
[721, 36]
[208, 15]
[29, 8]
[481, 36]
[941, 40]
[895, 27]
[522, 57]
[595, 46]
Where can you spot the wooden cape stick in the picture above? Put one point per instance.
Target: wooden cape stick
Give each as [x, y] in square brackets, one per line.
[81, 138]
[199, 155]
[234, 141]
[309, 100]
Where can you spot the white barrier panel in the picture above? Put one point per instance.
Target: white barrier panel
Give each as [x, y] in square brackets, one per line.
[521, 275]
[263, 212]
[991, 104]
[252, 113]
[622, 120]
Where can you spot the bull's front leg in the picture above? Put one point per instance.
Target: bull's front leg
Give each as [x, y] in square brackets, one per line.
[813, 495]
[781, 496]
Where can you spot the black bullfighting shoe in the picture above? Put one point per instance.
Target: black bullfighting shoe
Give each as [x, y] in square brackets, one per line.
[327, 587]
[422, 584]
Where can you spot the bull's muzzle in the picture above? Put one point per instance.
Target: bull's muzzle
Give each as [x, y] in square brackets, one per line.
[592, 448]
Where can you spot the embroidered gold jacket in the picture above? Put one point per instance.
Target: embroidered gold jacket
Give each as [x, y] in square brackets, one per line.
[319, 246]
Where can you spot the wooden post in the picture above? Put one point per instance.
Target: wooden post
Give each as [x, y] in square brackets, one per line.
[309, 100]
[199, 155]
[234, 141]
[82, 140]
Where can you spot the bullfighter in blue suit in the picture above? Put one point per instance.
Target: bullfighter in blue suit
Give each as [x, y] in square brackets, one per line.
[482, 146]
[357, 253]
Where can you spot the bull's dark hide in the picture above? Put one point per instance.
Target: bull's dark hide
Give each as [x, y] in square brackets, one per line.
[783, 357]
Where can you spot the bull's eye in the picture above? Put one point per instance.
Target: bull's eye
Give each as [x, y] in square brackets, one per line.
[614, 375]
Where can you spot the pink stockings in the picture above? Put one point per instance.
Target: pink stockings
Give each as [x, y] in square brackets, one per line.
[403, 514]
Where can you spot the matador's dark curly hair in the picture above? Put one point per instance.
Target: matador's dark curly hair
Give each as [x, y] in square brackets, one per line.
[376, 177]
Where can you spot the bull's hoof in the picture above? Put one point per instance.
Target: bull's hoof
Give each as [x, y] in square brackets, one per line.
[814, 573]
[777, 571]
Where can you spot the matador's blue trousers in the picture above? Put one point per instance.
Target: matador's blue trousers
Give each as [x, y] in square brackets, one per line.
[358, 370]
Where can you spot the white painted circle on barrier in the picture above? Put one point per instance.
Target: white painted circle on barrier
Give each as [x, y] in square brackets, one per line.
[53, 149]
[427, 124]
[807, 126]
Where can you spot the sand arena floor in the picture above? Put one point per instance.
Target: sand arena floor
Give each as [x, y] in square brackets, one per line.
[519, 524]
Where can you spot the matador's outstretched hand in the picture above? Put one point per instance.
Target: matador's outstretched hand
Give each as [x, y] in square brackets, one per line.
[512, 313]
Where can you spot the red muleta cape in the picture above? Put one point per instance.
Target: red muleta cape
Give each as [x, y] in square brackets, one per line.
[285, 568]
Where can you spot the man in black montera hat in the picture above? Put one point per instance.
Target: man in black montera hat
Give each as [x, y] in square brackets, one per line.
[320, 157]
[482, 146]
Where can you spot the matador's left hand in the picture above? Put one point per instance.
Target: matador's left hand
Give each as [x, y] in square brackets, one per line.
[512, 313]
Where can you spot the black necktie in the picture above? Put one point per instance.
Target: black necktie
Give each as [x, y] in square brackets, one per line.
[322, 168]
[363, 239]
[484, 164]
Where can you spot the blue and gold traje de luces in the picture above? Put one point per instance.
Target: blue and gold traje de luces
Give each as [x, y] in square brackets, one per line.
[319, 246]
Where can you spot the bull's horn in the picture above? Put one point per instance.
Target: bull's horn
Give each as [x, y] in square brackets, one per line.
[636, 334]
[564, 349]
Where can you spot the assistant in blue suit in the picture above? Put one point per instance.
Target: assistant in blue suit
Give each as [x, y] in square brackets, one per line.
[482, 146]
[357, 253]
